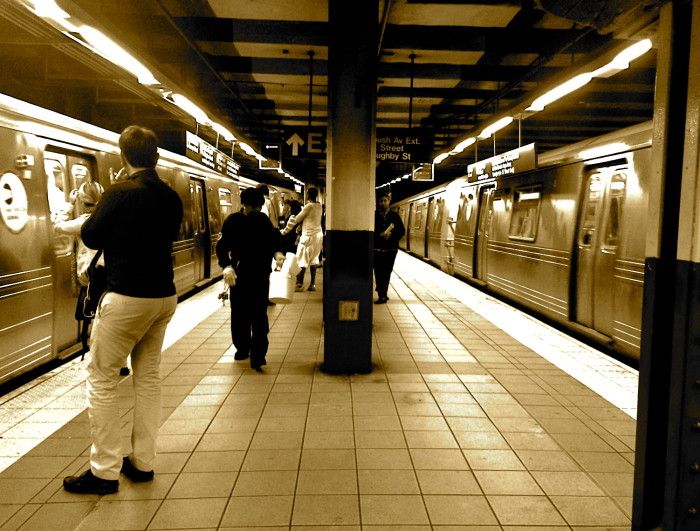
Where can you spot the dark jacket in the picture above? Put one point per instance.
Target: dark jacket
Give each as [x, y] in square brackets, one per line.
[248, 244]
[381, 222]
[135, 223]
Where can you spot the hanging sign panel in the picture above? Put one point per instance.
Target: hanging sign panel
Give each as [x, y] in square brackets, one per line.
[201, 151]
[304, 143]
[404, 145]
[508, 163]
[272, 151]
[423, 172]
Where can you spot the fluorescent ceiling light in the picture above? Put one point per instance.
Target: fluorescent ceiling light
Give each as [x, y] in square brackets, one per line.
[496, 126]
[440, 158]
[623, 59]
[190, 108]
[603, 151]
[49, 9]
[249, 150]
[111, 51]
[560, 91]
[221, 130]
[464, 144]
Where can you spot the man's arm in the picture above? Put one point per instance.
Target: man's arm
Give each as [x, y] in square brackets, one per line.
[223, 246]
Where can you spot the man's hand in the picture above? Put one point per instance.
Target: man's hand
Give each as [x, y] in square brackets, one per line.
[229, 276]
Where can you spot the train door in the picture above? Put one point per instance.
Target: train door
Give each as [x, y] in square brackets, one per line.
[411, 217]
[483, 224]
[597, 243]
[200, 232]
[64, 173]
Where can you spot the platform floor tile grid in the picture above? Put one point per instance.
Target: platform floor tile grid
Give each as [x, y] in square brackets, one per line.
[459, 426]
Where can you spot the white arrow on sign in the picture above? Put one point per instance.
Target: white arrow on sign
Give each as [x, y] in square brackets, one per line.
[295, 141]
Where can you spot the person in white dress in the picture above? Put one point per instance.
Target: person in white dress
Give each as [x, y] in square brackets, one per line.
[311, 239]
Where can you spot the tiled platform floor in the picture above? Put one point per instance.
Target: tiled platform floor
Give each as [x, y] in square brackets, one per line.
[459, 426]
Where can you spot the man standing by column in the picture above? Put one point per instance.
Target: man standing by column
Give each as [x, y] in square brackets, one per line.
[135, 224]
[388, 230]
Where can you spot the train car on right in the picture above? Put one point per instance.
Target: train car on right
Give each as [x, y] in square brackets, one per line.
[565, 239]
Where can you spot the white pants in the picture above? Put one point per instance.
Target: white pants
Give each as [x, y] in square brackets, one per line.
[126, 325]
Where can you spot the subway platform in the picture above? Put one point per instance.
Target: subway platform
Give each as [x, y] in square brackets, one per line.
[475, 417]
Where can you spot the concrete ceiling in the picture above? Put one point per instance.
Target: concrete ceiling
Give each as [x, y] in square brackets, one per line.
[453, 65]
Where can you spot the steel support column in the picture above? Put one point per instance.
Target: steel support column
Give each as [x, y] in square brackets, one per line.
[666, 487]
[352, 88]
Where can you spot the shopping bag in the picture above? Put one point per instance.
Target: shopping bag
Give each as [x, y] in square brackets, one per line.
[283, 279]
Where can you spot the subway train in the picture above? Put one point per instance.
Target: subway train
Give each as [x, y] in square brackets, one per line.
[562, 235]
[43, 157]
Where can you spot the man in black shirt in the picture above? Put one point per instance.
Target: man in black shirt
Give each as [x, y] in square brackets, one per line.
[388, 230]
[135, 224]
[245, 251]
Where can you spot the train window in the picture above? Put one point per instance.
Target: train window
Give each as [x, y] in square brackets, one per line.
[617, 196]
[225, 203]
[590, 210]
[525, 214]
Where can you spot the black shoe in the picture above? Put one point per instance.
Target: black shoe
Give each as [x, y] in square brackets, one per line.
[134, 474]
[311, 288]
[239, 356]
[256, 368]
[270, 303]
[88, 483]
[381, 300]
[124, 371]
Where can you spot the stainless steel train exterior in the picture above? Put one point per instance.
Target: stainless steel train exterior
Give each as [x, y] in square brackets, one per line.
[43, 156]
[565, 240]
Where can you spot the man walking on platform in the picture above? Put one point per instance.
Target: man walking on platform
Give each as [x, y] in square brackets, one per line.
[135, 224]
[245, 251]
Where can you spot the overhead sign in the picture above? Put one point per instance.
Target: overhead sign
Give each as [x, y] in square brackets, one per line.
[404, 145]
[423, 172]
[272, 151]
[508, 163]
[304, 143]
[201, 151]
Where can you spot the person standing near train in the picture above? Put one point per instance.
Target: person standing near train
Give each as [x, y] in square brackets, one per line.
[245, 251]
[311, 239]
[135, 224]
[388, 230]
[86, 198]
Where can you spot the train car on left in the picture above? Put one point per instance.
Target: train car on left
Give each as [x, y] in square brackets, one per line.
[44, 156]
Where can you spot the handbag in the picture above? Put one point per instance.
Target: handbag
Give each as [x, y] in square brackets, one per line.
[90, 295]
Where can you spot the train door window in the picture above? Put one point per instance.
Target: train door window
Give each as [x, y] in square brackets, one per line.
[464, 212]
[198, 206]
[436, 213]
[590, 210]
[525, 213]
[57, 185]
[418, 218]
[617, 196]
[225, 203]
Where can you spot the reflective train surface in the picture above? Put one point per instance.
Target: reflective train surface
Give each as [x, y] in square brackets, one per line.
[565, 240]
[43, 157]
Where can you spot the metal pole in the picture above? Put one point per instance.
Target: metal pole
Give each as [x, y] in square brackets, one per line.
[311, 82]
[410, 92]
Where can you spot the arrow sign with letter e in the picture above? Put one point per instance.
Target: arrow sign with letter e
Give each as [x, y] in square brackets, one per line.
[304, 143]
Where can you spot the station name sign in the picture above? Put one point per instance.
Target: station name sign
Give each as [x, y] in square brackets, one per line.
[508, 163]
[203, 152]
[404, 145]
